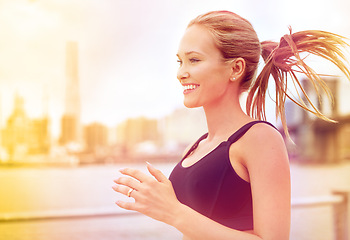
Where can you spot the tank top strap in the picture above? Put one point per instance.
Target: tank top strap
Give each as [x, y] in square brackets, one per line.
[195, 145]
[240, 132]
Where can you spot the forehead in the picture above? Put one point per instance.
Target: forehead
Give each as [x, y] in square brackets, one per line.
[198, 39]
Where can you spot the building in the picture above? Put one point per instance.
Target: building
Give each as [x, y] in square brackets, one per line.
[96, 137]
[69, 129]
[135, 131]
[23, 136]
[162, 139]
[184, 126]
[39, 140]
[316, 140]
[70, 122]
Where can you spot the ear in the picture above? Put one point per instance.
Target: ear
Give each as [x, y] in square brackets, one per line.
[238, 69]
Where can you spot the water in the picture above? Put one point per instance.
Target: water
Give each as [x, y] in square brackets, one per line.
[89, 187]
[43, 190]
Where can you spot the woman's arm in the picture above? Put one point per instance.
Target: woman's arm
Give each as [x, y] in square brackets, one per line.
[267, 164]
[266, 160]
[156, 199]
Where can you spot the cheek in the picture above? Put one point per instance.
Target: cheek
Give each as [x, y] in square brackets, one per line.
[205, 73]
[216, 79]
[199, 73]
[211, 76]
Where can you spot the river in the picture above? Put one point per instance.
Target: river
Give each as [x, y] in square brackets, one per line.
[30, 191]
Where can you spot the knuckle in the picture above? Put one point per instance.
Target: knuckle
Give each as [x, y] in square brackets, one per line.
[124, 180]
[127, 181]
[133, 171]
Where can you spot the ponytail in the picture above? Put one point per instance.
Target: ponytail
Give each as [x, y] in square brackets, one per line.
[283, 59]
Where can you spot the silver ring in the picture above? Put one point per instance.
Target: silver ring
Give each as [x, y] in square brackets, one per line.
[130, 191]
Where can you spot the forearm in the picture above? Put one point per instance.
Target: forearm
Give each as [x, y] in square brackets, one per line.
[194, 226]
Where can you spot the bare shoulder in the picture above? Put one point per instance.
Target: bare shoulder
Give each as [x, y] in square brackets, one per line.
[261, 131]
[263, 143]
[266, 159]
[261, 148]
[262, 134]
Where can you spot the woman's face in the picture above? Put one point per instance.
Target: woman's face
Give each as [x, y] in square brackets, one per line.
[202, 72]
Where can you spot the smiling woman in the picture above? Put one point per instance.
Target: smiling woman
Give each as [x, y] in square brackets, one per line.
[201, 65]
[234, 181]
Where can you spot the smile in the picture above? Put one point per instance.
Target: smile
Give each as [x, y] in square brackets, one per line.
[190, 87]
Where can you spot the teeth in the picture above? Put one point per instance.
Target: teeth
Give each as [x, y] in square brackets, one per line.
[190, 87]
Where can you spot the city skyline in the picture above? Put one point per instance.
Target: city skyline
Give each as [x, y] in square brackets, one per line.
[127, 55]
[24, 139]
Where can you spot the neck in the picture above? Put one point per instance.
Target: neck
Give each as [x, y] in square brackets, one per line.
[224, 118]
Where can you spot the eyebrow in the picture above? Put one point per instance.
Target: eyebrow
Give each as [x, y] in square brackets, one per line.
[188, 53]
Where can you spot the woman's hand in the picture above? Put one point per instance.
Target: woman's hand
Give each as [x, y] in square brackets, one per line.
[154, 197]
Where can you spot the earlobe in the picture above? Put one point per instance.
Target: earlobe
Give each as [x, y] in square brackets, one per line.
[238, 68]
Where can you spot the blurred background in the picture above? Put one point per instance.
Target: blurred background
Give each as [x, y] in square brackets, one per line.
[88, 87]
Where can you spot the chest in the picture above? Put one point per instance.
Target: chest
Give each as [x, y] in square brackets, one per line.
[210, 183]
[199, 151]
[231, 153]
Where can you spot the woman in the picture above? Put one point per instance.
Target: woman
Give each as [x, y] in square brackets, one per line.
[234, 182]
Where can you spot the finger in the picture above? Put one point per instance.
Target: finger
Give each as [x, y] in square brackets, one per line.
[156, 173]
[137, 174]
[126, 205]
[123, 190]
[129, 182]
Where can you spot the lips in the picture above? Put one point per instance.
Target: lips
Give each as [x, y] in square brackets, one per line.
[189, 87]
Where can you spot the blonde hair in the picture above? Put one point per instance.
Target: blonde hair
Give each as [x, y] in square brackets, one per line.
[235, 37]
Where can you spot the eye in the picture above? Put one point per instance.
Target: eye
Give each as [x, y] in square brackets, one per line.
[194, 60]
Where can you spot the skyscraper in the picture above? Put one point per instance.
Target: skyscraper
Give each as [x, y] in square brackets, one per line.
[22, 135]
[70, 122]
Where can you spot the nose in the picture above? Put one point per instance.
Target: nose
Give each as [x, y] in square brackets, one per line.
[182, 74]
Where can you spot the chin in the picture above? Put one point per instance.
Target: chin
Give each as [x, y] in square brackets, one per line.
[191, 105]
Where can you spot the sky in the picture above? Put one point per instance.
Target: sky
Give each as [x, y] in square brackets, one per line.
[127, 49]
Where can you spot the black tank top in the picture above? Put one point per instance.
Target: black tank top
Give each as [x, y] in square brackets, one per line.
[212, 187]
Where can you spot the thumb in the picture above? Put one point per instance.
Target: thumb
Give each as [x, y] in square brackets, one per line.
[156, 173]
